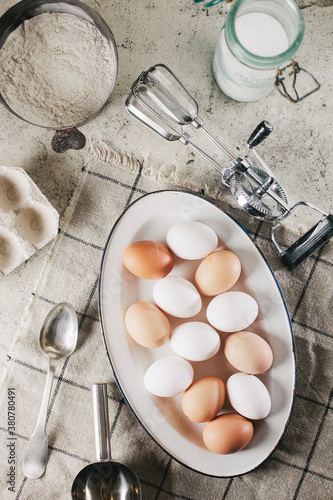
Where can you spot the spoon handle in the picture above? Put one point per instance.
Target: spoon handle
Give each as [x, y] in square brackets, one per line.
[101, 421]
[36, 456]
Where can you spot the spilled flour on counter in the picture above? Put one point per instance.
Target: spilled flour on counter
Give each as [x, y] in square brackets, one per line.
[57, 70]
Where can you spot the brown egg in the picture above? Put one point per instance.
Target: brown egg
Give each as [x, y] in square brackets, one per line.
[203, 400]
[227, 433]
[248, 352]
[147, 324]
[218, 272]
[148, 259]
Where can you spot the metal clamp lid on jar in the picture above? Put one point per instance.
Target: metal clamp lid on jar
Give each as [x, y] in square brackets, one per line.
[160, 100]
[68, 136]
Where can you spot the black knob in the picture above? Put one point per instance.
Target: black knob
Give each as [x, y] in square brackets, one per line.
[259, 134]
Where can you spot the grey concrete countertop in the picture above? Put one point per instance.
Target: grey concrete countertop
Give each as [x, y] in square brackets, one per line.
[182, 35]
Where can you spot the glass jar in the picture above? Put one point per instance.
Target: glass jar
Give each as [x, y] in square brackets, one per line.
[258, 38]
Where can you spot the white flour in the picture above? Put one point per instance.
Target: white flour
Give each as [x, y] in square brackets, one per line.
[56, 70]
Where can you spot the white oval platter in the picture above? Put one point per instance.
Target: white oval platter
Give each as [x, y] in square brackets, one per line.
[149, 218]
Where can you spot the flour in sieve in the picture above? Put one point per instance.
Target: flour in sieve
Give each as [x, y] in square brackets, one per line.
[56, 69]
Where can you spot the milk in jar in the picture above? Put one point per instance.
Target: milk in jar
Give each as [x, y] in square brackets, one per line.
[258, 38]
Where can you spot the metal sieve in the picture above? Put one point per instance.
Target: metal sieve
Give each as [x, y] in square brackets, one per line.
[67, 136]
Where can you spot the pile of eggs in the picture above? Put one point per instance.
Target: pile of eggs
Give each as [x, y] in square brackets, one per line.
[27, 220]
[229, 312]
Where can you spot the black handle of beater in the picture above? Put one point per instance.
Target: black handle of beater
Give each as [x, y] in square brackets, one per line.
[311, 241]
[259, 134]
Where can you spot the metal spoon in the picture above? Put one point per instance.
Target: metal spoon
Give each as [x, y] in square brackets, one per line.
[105, 479]
[57, 339]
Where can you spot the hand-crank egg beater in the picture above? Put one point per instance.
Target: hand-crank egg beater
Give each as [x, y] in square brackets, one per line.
[159, 100]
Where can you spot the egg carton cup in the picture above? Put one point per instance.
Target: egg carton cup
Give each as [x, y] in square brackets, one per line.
[28, 221]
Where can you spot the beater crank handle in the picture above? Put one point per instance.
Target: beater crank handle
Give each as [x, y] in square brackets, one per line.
[305, 246]
[259, 134]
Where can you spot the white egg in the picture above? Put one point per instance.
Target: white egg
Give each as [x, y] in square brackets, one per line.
[232, 311]
[191, 240]
[195, 341]
[168, 376]
[248, 396]
[177, 297]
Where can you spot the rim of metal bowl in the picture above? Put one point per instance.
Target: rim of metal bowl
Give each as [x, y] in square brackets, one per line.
[27, 9]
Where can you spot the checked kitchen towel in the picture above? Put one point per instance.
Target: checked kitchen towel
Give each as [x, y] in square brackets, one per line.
[302, 465]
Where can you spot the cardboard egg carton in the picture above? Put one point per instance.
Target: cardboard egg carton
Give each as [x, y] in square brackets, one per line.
[27, 219]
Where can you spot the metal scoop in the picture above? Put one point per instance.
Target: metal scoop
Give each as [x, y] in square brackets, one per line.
[104, 479]
[159, 99]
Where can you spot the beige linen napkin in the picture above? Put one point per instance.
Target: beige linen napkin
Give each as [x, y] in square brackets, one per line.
[301, 466]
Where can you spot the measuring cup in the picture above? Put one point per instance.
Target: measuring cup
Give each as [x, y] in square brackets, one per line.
[104, 479]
